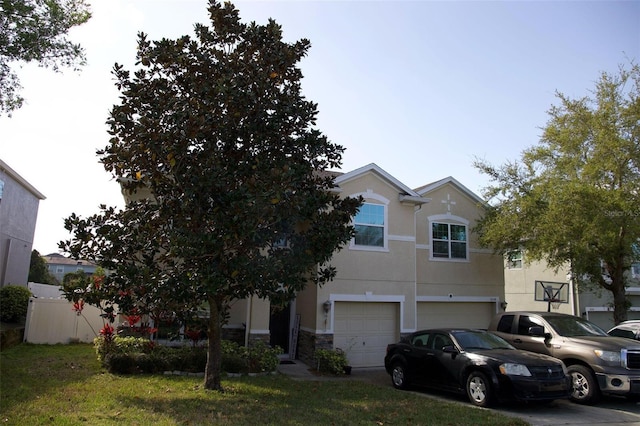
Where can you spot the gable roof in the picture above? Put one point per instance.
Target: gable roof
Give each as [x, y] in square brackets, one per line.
[406, 194]
[425, 189]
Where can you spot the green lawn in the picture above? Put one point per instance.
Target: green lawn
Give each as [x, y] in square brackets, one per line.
[65, 385]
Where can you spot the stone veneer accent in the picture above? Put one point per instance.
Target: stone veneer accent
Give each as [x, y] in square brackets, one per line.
[234, 334]
[309, 342]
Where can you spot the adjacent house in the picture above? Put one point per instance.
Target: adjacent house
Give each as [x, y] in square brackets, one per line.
[414, 263]
[523, 281]
[59, 266]
[19, 202]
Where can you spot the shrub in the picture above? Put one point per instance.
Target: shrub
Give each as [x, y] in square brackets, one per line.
[263, 358]
[331, 361]
[14, 301]
[121, 345]
[120, 363]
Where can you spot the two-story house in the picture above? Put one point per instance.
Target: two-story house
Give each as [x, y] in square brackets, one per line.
[414, 263]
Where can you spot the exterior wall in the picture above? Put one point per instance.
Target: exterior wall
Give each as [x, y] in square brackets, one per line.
[19, 203]
[403, 271]
[477, 279]
[592, 304]
[520, 287]
[379, 274]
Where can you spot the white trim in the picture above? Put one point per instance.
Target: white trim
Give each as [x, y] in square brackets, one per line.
[407, 238]
[372, 167]
[635, 291]
[259, 331]
[370, 195]
[435, 185]
[448, 218]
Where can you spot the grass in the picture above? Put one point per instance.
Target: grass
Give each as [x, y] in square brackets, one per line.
[65, 385]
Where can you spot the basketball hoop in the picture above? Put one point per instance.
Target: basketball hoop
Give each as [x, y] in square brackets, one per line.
[555, 304]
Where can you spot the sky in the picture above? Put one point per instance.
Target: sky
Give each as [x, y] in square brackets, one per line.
[421, 88]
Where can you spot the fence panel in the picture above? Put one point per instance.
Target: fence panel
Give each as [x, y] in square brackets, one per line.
[51, 321]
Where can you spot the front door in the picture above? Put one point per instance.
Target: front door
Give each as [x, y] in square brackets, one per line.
[279, 329]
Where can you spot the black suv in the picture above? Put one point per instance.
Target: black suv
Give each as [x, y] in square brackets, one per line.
[598, 363]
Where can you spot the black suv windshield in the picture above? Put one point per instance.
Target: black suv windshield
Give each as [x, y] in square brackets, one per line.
[469, 340]
[570, 326]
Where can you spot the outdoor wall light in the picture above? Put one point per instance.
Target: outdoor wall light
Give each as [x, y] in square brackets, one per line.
[326, 306]
[503, 305]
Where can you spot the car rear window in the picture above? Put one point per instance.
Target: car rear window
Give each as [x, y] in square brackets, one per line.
[505, 324]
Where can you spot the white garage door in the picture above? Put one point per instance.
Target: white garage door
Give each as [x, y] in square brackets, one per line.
[455, 314]
[365, 329]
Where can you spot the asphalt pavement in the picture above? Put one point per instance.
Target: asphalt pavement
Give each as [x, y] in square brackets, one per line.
[609, 412]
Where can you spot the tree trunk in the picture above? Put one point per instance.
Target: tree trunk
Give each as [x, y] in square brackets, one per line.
[620, 304]
[212, 374]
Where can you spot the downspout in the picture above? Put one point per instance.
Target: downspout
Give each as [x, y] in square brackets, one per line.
[248, 321]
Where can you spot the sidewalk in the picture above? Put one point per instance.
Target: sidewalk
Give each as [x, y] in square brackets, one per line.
[298, 370]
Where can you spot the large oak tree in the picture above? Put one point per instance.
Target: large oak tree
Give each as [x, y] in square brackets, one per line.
[574, 199]
[216, 129]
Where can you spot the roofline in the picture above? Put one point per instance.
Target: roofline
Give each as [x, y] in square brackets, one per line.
[22, 181]
[450, 179]
[372, 167]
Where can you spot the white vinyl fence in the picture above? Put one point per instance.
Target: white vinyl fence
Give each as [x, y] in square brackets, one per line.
[51, 318]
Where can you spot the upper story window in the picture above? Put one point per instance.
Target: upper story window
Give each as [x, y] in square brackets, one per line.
[369, 224]
[514, 259]
[449, 241]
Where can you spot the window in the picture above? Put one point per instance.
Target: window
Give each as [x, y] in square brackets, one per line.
[449, 240]
[505, 324]
[369, 224]
[525, 324]
[59, 269]
[514, 260]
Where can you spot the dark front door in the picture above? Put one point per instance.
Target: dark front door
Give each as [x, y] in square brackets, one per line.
[279, 327]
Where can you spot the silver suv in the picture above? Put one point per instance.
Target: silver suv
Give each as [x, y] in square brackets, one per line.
[598, 363]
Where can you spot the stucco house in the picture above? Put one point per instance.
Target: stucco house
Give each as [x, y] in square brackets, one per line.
[414, 263]
[19, 202]
[59, 266]
[522, 278]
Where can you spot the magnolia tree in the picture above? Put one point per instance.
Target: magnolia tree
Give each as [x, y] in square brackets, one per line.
[36, 31]
[574, 199]
[215, 128]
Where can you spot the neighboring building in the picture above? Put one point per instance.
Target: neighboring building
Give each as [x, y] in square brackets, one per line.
[19, 202]
[59, 266]
[522, 278]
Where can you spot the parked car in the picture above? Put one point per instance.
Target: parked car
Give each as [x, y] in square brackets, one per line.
[477, 363]
[629, 329]
[598, 363]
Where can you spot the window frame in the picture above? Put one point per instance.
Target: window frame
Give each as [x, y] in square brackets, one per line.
[450, 221]
[384, 227]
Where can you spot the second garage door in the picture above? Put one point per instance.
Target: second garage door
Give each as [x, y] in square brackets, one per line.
[364, 329]
[455, 314]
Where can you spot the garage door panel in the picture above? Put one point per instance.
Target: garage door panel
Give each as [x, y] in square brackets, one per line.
[455, 314]
[364, 329]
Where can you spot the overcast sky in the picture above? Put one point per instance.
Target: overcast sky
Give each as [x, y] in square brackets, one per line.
[420, 88]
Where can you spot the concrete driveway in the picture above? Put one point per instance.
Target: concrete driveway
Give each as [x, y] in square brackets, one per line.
[609, 412]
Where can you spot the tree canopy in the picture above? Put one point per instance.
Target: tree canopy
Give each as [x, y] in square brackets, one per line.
[574, 199]
[231, 197]
[38, 270]
[36, 31]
